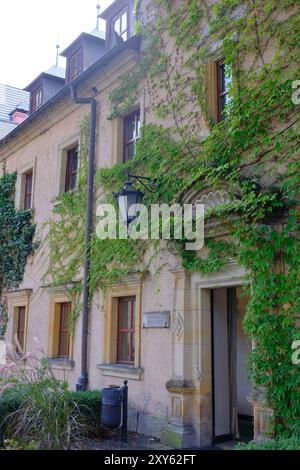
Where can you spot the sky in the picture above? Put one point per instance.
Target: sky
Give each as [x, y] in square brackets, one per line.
[30, 30]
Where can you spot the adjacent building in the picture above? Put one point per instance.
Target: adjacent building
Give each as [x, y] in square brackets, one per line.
[14, 107]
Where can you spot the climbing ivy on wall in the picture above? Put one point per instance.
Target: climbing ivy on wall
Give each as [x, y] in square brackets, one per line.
[16, 242]
[253, 153]
[65, 241]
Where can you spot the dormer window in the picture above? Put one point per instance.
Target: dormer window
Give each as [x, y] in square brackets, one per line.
[75, 66]
[120, 24]
[120, 17]
[36, 99]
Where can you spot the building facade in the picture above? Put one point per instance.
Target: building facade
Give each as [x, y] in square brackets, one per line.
[169, 336]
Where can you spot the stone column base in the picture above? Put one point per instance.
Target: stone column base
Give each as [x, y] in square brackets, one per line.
[178, 436]
[262, 415]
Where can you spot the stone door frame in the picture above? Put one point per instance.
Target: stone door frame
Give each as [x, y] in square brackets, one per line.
[190, 422]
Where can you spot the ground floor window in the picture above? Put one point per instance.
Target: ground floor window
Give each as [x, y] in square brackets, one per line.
[21, 315]
[64, 329]
[126, 330]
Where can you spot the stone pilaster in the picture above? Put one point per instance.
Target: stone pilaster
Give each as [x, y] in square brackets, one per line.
[180, 432]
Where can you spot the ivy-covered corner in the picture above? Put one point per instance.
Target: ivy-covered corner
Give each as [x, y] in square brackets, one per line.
[16, 242]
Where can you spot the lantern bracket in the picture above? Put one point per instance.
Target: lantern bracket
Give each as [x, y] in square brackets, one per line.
[152, 182]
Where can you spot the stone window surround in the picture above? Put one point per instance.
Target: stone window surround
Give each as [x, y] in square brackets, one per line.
[56, 298]
[214, 56]
[131, 286]
[117, 133]
[20, 187]
[62, 153]
[16, 299]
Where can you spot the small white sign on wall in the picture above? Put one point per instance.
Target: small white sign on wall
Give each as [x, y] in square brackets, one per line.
[156, 320]
[2, 352]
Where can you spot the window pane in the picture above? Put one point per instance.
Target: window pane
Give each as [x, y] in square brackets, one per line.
[223, 100]
[75, 65]
[124, 22]
[133, 347]
[227, 78]
[21, 327]
[138, 126]
[28, 190]
[221, 78]
[124, 347]
[118, 26]
[130, 150]
[130, 128]
[124, 36]
[71, 169]
[133, 314]
[124, 316]
[64, 334]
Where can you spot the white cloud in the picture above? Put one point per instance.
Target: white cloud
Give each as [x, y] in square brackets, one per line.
[29, 30]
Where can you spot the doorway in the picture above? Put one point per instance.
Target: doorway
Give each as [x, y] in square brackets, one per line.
[232, 413]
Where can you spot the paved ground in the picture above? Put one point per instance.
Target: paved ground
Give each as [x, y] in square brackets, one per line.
[111, 440]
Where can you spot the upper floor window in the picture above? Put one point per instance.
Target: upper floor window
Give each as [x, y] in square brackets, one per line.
[75, 65]
[126, 330]
[28, 179]
[132, 126]
[71, 169]
[223, 81]
[36, 99]
[120, 24]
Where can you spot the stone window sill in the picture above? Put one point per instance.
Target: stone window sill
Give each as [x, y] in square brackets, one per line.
[60, 363]
[121, 370]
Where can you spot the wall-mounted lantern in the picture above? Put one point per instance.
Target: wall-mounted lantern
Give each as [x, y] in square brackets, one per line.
[129, 196]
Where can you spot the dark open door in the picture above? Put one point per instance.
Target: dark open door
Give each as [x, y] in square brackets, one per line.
[223, 303]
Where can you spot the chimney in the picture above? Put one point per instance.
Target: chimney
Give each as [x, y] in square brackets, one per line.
[19, 114]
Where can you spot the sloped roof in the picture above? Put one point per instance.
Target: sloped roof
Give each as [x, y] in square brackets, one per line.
[58, 76]
[59, 72]
[10, 99]
[132, 44]
[89, 36]
[5, 128]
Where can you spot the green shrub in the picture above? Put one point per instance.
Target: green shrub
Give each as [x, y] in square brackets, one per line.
[37, 409]
[89, 405]
[292, 443]
[10, 401]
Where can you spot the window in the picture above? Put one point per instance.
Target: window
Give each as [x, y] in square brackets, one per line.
[64, 330]
[223, 80]
[36, 99]
[28, 178]
[122, 330]
[120, 25]
[126, 330]
[75, 65]
[71, 169]
[132, 124]
[60, 346]
[21, 328]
